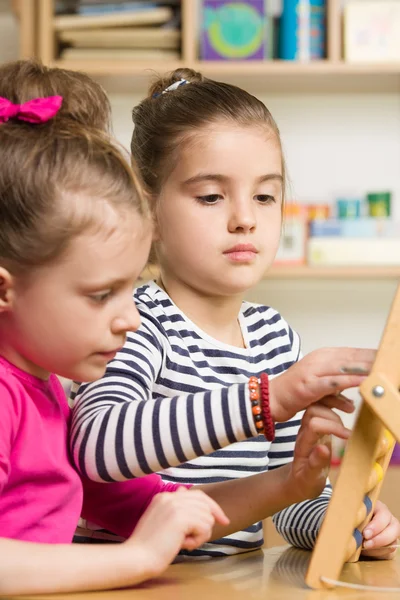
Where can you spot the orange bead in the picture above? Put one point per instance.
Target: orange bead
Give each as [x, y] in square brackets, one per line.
[259, 425]
[252, 378]
[256, 410]
[253, 385]
[254, 395]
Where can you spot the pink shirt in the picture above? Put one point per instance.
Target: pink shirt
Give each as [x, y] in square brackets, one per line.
[41, 494]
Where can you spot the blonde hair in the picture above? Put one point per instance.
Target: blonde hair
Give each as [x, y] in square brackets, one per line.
[54, 177]
[84, 100]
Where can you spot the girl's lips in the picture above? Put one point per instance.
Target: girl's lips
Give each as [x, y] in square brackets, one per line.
[241, 253]
[109, 355]
[242, 248]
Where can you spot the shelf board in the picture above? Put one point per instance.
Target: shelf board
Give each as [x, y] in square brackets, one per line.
[324, 75]
[306, 272]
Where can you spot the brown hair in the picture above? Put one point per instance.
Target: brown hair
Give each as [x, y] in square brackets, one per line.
[162, 122]
[84, 100]
[54, 180]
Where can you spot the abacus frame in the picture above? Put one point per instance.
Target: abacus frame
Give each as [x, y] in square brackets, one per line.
[380, 411]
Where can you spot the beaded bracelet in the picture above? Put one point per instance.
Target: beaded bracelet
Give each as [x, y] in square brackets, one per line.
[269, 425]
[259, 397]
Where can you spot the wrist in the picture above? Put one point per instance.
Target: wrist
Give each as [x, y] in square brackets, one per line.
[260, 406]
[272, 400]
[137, 563]
[269, 425]
[288, 485]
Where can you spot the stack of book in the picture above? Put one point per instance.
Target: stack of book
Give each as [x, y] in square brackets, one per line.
[118, 29]
[366, 241]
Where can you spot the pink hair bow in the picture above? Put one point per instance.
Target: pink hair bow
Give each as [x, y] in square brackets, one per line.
[38, 110]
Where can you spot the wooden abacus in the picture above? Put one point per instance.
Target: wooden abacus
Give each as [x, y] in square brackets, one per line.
[365, 462]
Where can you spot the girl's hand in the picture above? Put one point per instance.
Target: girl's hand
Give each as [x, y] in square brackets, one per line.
[381, 534]
[321, 375]
[312, 453]
[174, 520]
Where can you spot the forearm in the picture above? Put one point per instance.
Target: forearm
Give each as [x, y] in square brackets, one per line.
[155, 434]
[30, 568]
[252, 499]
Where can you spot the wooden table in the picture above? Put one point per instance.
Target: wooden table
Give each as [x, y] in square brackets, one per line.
[269, 574]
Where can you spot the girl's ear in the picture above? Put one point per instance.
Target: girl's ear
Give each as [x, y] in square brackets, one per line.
[6, 290]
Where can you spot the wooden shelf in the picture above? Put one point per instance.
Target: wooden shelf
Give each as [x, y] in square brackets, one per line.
[331, 75]
[244, 68]
[325, 75]
[306, 272]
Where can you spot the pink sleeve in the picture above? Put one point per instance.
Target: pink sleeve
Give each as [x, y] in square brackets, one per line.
[8, 425]
[118, 506]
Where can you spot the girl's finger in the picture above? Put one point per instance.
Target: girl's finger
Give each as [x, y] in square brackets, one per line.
[320, 409]
[319, 459]
[319, 426]
[215, 509]
[331, 361]
[381, 519]
[383, 539]
[332, 386]
[338, 401]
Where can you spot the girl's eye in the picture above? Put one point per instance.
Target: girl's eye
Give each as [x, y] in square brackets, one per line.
[265, 199]
[99, 298]
[209, 199]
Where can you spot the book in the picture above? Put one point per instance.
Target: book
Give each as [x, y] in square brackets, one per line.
[302, 30]
[118, 54]
[234, 30]
[122, 37]
[365, 227]
[346, 252]
[153, 16]
[372, 31]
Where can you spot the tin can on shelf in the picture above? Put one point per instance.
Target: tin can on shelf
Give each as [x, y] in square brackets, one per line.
[379, 204]
[318, 211]
[348, 208]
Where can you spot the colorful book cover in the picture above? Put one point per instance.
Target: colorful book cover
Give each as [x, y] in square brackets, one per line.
[303, 30]
[234, 30]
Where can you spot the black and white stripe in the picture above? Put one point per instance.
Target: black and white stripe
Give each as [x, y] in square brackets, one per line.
[176, 400]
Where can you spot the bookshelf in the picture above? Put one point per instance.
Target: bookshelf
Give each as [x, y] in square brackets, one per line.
[329, 75]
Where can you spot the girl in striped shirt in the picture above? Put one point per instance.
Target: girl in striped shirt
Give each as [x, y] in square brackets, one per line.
[177, 398]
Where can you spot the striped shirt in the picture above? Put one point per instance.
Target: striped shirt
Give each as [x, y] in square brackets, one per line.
[176, 400]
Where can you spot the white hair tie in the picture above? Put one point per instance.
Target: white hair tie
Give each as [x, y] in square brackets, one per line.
[172, 87]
